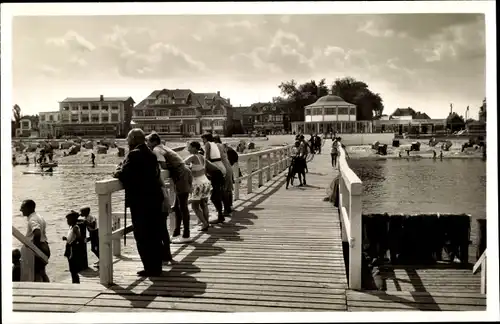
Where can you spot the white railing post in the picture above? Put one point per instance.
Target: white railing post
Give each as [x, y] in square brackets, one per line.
[117, 246]
[249, 175]
[27, 264]
[105, 231]
[355, 218]
[281, 157]
[260, 164]
[269, 166]
[236, 173]
[483, 277]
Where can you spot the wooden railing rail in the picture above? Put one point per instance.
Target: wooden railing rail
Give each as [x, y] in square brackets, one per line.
[481, 264]
[28, 253]
[350, 192]
[111, 231]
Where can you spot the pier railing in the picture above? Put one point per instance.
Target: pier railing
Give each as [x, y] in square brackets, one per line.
[257, 168]
[350, 191]
[481, 264]
[28, 253]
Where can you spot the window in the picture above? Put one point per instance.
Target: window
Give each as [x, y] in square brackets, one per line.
[192, 128]
[343, 110]
[162, 100]
[189, 112]
[149, 113]
[42, 118]
[74, 118]
[175, 112]
[352, 111]
[104, 107]
[114, 117]
[317, 111]
[65, 117]
[218, 112]
[114, 107]
[330, 111]
[138, 112]
[218, 122]
[25, 124]
[51, 117]
[94, 119]
[164, 112]
[85, 118]
[308, 111]
[74, 108]
[104, 118]
[94, 106]
[206, 123]
[66, 108]
[85, 107]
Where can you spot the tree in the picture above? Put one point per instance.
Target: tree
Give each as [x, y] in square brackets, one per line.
[482, 111]
[296, 97]
[357, 92]
[16, 119]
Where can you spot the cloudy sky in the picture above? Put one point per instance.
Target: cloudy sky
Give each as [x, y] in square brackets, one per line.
[425, 61]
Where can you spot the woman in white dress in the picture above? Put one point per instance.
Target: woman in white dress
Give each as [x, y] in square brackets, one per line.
[202, 188]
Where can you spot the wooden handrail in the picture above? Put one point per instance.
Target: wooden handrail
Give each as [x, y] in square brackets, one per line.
[481, 264]
[28, 253]
[110, 230]
[350, 192]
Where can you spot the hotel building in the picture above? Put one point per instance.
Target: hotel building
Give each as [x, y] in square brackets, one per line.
[181, 111]
[100, 116]
[48, 122]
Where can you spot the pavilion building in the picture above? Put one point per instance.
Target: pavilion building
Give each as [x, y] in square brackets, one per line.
[331, 113]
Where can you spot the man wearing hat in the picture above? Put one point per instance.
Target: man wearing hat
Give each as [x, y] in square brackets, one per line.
[140, 175]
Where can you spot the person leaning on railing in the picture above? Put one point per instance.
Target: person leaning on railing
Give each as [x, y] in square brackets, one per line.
[37, 233]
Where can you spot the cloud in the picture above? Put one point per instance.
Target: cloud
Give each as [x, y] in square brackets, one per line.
[456, 42]
[49, 70]
[72, 40]
[140, 53]
[372, 29]
[285, 53]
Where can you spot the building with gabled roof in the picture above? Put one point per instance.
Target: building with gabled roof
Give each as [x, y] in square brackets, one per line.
[182, 111]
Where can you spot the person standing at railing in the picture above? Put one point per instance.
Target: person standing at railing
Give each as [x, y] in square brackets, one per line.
[74, 247]
[302, 158]
[202, 187]
[213, 155]
[37, 234]
[169, 160]
[91, 224]
[140, 176]
[227, 200]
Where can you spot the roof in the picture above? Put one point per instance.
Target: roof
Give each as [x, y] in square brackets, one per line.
[420, 115]
[404, 112]
[198, 98]
[96, 99]
[330, 100]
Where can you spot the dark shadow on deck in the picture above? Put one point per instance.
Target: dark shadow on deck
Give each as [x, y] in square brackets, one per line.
[178, 282]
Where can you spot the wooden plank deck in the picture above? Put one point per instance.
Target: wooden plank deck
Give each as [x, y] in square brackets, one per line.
[281, 251]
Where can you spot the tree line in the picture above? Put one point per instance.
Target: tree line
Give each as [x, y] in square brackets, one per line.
[294, 97]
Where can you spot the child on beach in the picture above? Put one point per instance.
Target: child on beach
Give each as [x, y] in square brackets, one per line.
[74, 243]
[91, 224]
[16, 265]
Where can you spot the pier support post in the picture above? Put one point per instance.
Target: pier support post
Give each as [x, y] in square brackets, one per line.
[105, 243]
[249, 178]
[269, 166]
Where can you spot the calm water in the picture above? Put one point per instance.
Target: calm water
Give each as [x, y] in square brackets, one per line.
[423, 186]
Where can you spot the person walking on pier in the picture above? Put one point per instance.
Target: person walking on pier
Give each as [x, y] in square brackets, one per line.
[37, 234]
[92, 158]
[140, 176]
[169, 160]
[334, 152]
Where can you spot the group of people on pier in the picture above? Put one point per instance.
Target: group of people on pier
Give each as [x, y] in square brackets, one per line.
[79, 224]
[205, 174]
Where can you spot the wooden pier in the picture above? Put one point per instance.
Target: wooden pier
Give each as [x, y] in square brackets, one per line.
[281, 251]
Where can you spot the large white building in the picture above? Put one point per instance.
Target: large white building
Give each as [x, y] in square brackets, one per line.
[99, 116]
[331, 113]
